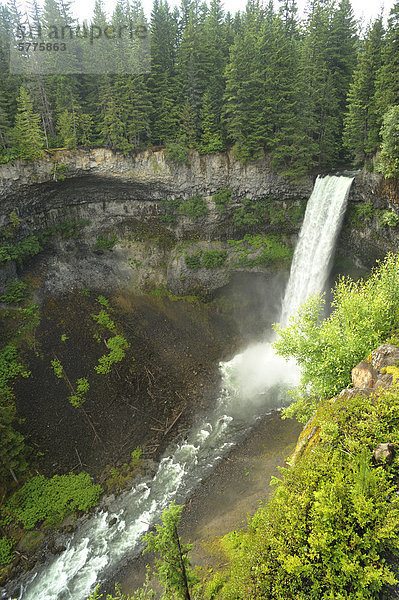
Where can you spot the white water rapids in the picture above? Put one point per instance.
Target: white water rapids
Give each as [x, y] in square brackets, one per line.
[253, 385]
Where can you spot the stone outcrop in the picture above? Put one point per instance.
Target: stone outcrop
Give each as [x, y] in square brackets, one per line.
[121, 195]
[368, 377]
[366, 240]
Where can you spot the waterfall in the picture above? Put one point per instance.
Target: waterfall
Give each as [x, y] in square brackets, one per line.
[254, 384]
[312, 259]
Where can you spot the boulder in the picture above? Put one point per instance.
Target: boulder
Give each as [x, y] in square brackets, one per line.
[364, 375]
[384, 453]
[386, 355]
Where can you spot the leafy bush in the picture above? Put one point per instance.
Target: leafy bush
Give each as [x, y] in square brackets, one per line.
[105, 242]
[51, 500]
[78, 398]
[213, 259]
[20, 251]
[172, 207]
[17, 291]
[177, 152]
[260, 250]
[194, 207]
[364, 314]
[334, 517]
[6, 554]
[117, 346]
[222, 198]
[103, 318]
[360, 214]
[389, 218]
[119, 477]
[193, 261]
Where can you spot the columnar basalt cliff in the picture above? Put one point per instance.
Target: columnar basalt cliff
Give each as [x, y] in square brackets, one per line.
[128, 196]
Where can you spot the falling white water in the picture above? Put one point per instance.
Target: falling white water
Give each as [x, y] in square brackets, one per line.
[253, 384]
[314, 251]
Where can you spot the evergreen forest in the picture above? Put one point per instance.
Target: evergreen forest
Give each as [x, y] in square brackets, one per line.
[313, 93]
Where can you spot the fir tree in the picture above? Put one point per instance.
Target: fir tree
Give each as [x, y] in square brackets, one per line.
[361, 131]
[387, 87]
[28, 135]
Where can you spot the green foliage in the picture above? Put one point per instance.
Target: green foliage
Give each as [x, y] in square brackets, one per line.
[21, 250]
[85, 292]
[59, 171]
[389, 218]
[193, 207]
[260, 250]
[334, 517]
[103, 319]
[81, 389]
[177, 152]
[119, 477]
[361, 214]
[214, 259]
[28, 133]
[17, 291]
[57, 368]
[6, 554]
[103, 301]
[173, 567]
[117, 346]
[364, 313]
[388, 160]
[193, 261]
[51, 500]
[105, 243]
[172, 210]
[262, 211]
[143, 593]
[222, 199]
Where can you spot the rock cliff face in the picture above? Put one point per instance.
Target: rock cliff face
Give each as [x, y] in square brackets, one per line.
[364, 237]
[126, 195]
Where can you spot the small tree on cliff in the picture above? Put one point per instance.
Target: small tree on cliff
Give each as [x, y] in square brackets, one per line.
[173, 570]
[28, 134]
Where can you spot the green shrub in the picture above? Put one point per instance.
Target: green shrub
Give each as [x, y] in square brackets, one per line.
[51, 500]
[6, 554]
[193, 207]
[103, 319]
[17, 291]
[177, 152]
[360, 214]
[105, 242]
[389, 218]
[222, 199]
[193, 261]
[334, 518]
[172, 209]
[260, 250]
[213, 259]
[117, 346]
[78, 398]
[364, 313]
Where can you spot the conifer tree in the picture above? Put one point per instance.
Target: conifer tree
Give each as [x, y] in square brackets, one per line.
[361, 125]
[28, 135]
[387, 87]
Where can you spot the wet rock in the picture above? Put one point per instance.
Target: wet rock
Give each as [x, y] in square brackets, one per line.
[364, 375]
[384, 381]
[386, 355]
[384, 453]
[112, 522]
